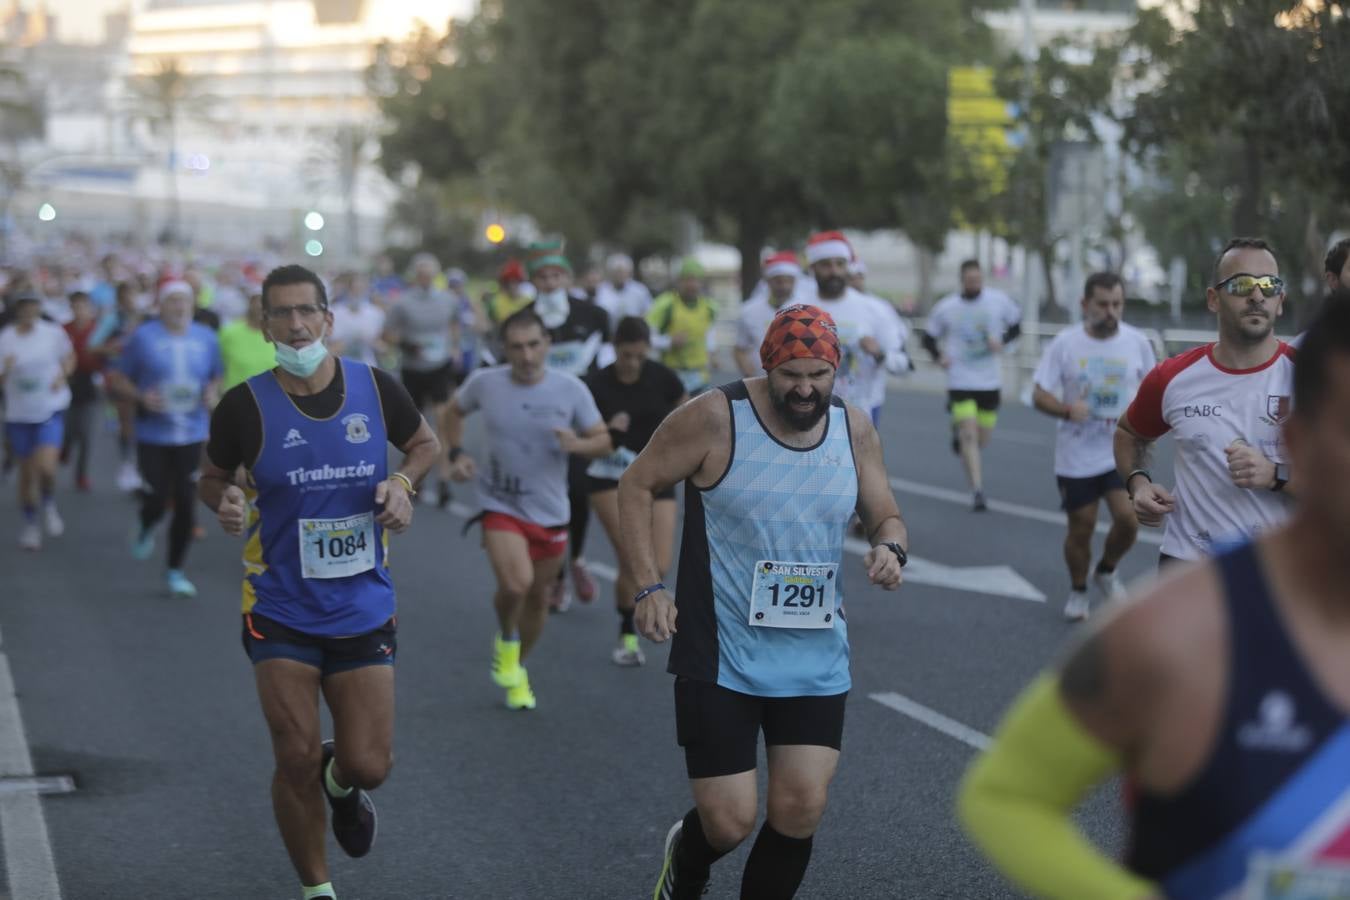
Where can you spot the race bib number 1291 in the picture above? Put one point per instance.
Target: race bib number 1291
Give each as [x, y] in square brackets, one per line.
[793, 594]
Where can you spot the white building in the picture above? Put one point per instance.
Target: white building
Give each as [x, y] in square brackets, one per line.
[273, 84]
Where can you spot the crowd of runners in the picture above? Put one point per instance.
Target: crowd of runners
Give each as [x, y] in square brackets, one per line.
[272, 396]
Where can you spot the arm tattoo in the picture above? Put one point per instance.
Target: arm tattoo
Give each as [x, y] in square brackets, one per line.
[1083, 679]
[1143, 453]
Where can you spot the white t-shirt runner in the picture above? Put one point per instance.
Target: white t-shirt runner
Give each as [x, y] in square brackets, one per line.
[963, 328]
[857, 316]
[358, 328]
[1210, 408]
[753, 321]
[30, 395]
[1103, 372]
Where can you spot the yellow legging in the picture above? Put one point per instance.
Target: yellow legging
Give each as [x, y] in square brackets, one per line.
[1017, 798]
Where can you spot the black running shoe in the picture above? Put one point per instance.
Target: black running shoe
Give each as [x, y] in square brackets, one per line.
[354, 820]
[443, 495]
[669, 887]
[979, 504]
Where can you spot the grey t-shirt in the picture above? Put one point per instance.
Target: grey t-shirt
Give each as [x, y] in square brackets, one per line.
[525, 472]
[421, 319]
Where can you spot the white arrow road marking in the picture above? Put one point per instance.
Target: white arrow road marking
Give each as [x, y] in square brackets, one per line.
[933, 719]
[27, 849]
[1001, 581]
[36, 784]
[962, 498]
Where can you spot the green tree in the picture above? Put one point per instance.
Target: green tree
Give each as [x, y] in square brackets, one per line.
[1242, 103]
[605, 119]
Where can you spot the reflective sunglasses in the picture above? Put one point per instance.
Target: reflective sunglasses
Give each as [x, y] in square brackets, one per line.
[1242, 284]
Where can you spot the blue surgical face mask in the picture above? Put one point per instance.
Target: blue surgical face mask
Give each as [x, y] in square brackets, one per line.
[301, 363]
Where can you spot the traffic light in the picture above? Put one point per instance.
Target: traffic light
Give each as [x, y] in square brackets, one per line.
[314, 221]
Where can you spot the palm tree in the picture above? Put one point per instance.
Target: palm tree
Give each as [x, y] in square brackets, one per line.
[163, 99]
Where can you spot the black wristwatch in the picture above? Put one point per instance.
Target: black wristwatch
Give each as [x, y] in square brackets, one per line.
[899, 552]
[455, 453]
[1281, 476]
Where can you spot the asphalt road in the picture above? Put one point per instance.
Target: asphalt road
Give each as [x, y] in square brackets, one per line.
[148, 703]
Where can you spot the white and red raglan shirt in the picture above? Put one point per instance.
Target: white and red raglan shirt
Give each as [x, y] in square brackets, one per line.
[1209, 408]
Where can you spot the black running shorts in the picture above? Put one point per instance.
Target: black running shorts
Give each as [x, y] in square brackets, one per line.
[430, 388]
[1075, 493]
[266, 639]
[719, 728]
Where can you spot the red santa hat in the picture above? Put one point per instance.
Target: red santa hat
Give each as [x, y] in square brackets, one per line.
[784, 262]
[827, 245]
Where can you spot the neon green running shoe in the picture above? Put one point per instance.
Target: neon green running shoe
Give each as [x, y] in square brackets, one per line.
[506, 670]
[520, 696]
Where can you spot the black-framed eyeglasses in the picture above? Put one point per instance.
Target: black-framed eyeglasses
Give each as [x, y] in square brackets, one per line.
[283, 313]
[1242, 285]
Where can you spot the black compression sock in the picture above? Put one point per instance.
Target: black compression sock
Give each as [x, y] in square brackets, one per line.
[776, 866]
[1104, 569]
[694, 856]
[626, 626]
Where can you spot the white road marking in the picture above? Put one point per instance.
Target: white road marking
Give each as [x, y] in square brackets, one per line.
[36, 784]
[27, 850]
[602, 570]
[997, 580]
[933, 719]
[1001, 581]
[962, 498]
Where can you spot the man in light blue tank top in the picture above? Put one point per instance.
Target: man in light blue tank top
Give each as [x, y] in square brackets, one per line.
[774, 468]
[318, 602]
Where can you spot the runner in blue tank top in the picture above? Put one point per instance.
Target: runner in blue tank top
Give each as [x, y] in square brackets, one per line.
[317, 504]
[774, 468]
[1223, 697]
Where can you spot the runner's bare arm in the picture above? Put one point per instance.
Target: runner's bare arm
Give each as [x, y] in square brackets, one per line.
[877, 508]
[1134, 454]
[452, 422]
[462, 466]
[592, 443]
[1051, 405]
[676, 451]
[421, 452]
[212, 483]
[1132, 451]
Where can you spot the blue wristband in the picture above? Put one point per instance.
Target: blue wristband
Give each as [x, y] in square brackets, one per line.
[652, 589]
